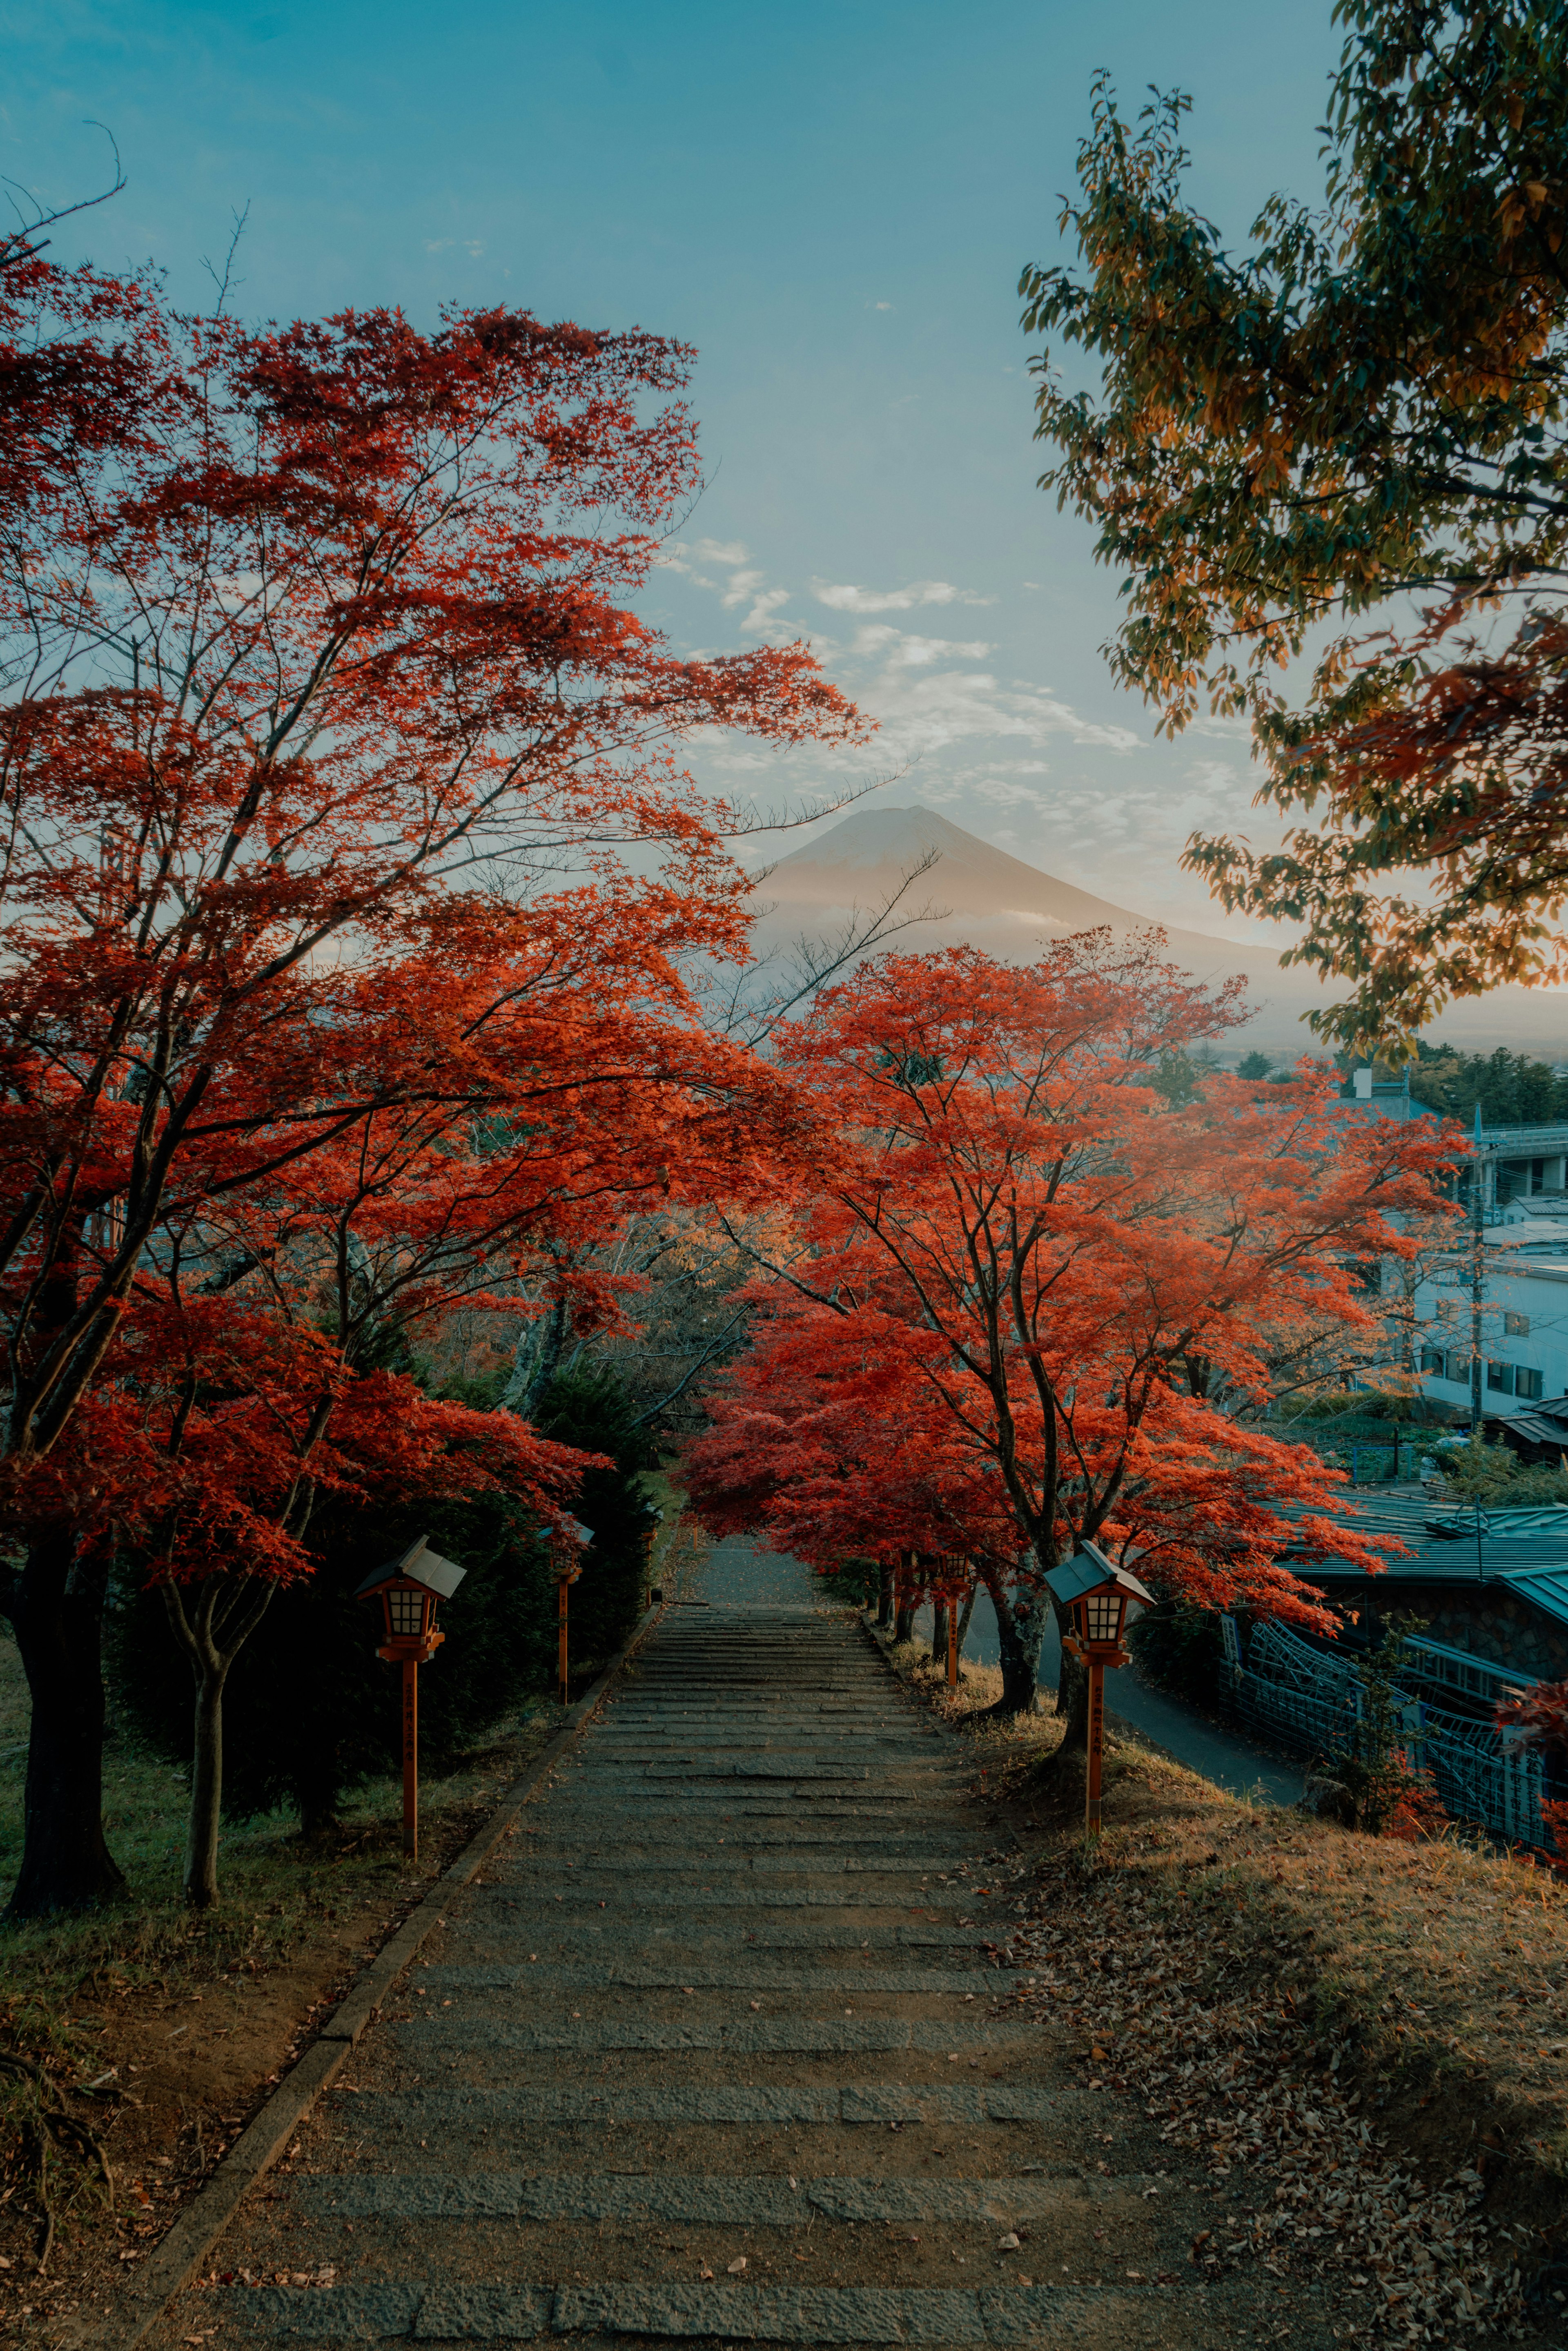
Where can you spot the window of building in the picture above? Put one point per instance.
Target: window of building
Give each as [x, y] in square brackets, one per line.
[1527, 1383]
[1516, 1326]
[1447, 1308]
[1433, 1362]
[1500, 1376]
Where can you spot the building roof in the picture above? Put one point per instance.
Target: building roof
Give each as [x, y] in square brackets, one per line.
[1433, 1559]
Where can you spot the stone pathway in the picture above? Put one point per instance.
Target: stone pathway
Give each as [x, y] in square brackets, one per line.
[722, 2050]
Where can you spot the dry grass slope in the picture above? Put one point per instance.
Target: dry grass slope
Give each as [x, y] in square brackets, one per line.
[1372, 2035]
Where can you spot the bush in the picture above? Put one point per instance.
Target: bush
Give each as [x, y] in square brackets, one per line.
[310, 1711]
[593, 1411]
[1494, 1476]
[1180, 1648]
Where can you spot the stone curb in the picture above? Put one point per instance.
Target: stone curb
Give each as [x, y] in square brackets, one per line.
[193, 2236]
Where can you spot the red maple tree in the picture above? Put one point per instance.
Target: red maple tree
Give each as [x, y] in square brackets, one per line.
[331, 736]
[1026, 1283]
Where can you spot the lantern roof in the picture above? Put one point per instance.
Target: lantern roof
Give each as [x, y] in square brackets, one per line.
[418, 1565]
[575, 1532]
[1088, 1570]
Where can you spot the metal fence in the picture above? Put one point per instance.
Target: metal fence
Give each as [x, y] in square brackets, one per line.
[1292, 1691]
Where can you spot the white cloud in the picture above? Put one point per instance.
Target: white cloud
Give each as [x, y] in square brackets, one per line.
[933, 710]
[725, 553]
[908, 652]
[759, 619]
[742, 584]
[894, 600]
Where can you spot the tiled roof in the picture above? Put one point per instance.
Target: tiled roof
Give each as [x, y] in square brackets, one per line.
[1432, 1559]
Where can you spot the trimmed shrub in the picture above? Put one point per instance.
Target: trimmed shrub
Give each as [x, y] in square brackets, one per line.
[310, 1711]
[1180, 1648]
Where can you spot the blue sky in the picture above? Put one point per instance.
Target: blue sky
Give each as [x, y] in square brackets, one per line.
[833, 203]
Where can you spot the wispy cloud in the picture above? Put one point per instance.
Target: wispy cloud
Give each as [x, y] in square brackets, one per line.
[907, 652]
[725, 567]
[892, 600]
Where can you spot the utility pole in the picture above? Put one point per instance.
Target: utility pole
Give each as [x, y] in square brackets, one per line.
[1477, 1284]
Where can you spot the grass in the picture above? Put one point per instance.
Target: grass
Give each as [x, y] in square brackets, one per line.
[271, 1879]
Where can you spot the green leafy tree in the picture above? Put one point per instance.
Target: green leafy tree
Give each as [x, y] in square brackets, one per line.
[1359, 416]
[1510, 1089]
[607, 1602]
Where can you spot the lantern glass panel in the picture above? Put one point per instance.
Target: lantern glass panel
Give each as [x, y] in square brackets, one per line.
[405, 1611]
[1103, 1616]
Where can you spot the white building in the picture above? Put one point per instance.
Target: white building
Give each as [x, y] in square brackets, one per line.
[1523, 1173]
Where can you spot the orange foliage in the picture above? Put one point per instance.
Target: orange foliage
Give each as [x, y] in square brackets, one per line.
[1026, 1285]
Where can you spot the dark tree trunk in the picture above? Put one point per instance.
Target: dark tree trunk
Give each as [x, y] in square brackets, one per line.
[885, 1596]
[1022, 1620]
[965, 1614]
[212, 1634]
[1072, 1707]
[56, 1607]
[206, 1819]
[903, 1623]
[940, 1633]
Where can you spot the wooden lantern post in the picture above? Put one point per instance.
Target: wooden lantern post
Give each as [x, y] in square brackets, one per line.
[567, 1547]
[952, 1582]
[410, 1589]
[1103, 1599]
[650, 1538]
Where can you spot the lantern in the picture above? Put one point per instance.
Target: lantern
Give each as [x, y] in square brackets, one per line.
[953, 1576]
[566, 1543]
[410, 1589]
[1103, 1599]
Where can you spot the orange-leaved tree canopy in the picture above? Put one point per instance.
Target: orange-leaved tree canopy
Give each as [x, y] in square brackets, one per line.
[323, 684]
[1030, 1296]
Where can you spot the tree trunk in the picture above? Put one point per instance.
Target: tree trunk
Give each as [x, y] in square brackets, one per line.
[1020, 1625]
[1072, 1707]
[206, 1791]
[965, 1614]
[224, 1618]
[56, 1607]
[885, 1596]
[904, 1622]
[940, 1633]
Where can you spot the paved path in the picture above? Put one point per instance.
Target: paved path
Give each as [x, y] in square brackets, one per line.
[722, 2051]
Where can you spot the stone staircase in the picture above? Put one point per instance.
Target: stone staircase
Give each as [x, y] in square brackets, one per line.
[721, 2051]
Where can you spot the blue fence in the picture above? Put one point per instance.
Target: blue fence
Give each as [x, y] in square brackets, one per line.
[1290, 1690]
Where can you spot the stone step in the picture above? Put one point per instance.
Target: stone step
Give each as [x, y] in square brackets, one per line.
[720, 2199]
[568, 1935]
[757, 1845]
[801, 2036]
[910, 2105]
[648, 1888]
[831, 1858]
[997, 2318]
[679, 1974]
